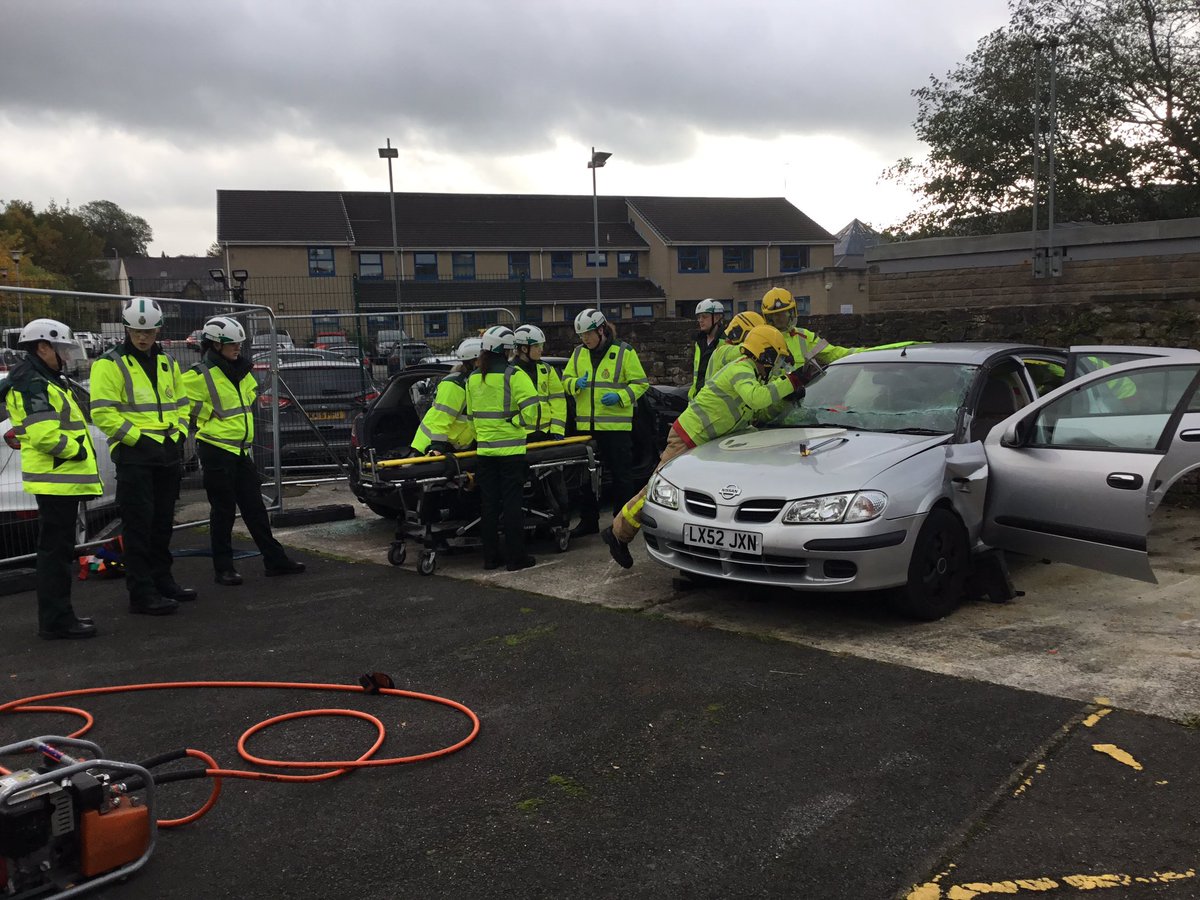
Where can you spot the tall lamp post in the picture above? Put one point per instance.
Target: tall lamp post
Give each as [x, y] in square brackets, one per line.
[389, 153]
[599, 158]
[16, 258]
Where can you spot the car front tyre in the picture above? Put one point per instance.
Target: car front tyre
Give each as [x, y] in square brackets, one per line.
[937, 570]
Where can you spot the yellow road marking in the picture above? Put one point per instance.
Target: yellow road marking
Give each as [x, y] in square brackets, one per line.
[1095, 717]
[931, 890]
[1118, 754]
[1025, 783]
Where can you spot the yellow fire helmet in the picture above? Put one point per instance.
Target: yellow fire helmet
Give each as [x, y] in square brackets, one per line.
[778, 300]
[765, 344]
[741, 324]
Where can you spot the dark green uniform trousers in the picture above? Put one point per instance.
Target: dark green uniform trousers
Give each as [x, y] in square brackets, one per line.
[55, 560]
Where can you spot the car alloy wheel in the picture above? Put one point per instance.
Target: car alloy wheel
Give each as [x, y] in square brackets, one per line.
[937, 570]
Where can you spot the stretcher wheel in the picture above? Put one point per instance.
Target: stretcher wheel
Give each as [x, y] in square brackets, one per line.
[562, 539]
[427, 563]
[396, 553]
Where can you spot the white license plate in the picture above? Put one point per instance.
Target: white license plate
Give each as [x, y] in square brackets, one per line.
[722, 539]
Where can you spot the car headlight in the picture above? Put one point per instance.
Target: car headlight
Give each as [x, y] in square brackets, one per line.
[833, 509]
[662, 493]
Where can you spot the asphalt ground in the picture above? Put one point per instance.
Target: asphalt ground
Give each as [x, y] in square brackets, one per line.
[621, 753]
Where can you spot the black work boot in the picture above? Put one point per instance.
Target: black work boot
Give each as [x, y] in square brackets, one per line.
[617, 549]
[74, 630]
[287, 567]
[585, 528]
[156, 606]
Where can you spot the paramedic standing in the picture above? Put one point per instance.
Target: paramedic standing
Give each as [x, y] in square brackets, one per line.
[58, 466]
[606, 379]
[710, 320]
[138, 402]
[222, 392]
[501, 401]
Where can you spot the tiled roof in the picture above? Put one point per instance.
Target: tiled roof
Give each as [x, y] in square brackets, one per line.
[717, 220]
[458, 294]
[175, 268]
[282, 217]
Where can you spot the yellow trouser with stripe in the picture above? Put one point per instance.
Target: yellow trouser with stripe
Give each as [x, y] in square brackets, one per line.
[628, 522]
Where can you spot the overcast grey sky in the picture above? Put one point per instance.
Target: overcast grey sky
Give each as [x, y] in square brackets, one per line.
[156, 105]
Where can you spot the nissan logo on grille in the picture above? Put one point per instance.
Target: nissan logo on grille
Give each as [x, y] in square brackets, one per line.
[730, 491]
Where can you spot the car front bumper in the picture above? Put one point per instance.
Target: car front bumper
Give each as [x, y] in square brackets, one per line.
[856, 557]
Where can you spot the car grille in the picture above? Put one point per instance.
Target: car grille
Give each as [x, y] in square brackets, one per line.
[699, 504]
[758, 510]
[768, 563]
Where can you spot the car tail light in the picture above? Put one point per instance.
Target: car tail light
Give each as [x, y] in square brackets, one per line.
[367, 398]
[264, 400]
[10, 438]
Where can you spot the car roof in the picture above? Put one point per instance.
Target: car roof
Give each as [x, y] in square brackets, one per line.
[323, 364]
[972, 353]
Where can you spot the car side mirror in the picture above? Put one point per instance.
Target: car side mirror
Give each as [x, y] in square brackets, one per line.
[1013, 436]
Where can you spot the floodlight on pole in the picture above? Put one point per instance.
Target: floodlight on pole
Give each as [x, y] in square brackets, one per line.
[599, 158]
[389, 153]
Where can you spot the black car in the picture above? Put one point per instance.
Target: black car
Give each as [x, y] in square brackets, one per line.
[387, 426]
[405, 355]
[318, 400]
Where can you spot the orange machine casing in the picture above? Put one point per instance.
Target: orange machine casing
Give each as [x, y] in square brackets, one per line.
[112, 839]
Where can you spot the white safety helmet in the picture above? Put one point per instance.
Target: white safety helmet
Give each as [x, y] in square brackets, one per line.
[142, 312]
[529, 336]
[55, 332]
[224, 330]
[710, 306]
[589, 320]
[470, 348]
[497, 339]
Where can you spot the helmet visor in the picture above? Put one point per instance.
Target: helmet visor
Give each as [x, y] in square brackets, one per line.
[69, 351]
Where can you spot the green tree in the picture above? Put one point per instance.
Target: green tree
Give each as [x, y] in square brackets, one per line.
[123, 234]
[1127, 115]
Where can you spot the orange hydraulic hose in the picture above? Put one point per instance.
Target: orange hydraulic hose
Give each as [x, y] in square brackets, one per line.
[213, 770]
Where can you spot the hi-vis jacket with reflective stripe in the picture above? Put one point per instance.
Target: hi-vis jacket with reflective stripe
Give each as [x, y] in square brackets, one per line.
[50, 426]
[621, 372]
[222, 411]
[806, 345]
[126, 405]
[502, 406]
[728, 400]
[552, 401]
[447, 421]
[722, 355]
[701, 359]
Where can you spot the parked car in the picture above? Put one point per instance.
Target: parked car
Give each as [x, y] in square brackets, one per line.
[900, 467]
[91, 341]
[262, 340]
[350, 351]
[261, 360]
[318, 401]
[406, 354]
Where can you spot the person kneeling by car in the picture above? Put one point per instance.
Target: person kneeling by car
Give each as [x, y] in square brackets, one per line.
[446, 426]
[222, 390]
[760, 378]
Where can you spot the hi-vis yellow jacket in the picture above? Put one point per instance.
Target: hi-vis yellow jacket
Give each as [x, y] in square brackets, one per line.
[620, 371]
[127, 406]
[222, 411]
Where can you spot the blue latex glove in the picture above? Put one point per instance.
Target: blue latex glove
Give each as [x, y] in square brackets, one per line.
[610, 398]
[581, 382]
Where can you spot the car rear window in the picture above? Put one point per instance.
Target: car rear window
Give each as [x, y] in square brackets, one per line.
[327, 381]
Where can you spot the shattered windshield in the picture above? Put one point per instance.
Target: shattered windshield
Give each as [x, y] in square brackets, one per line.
[919, 398]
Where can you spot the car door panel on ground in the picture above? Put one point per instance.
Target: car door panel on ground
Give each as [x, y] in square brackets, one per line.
[1075, 476]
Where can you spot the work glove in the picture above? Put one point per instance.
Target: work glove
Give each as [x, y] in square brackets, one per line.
[581, 382]
[610, 398]
[81, 453]
[439, 447]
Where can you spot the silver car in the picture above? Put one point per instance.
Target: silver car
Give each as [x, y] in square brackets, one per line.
[901, 467]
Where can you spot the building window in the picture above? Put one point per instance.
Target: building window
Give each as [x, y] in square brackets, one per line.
[464, 266]
[474, 323]
[612, 312]
[370, 266]
[325, 320]
[643, 312]
[436, 325]
[571, 311]
[533, 314]
[627, 264]
[744, 305]
[693, 259]
[738, 259]
[425, 266]
[803, 306]
[320, 261]
[561, 265]
[793, 258]
[591, 259]
[518, 265]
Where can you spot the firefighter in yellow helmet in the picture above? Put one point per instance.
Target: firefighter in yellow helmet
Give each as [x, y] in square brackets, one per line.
[760, 377]
[806, 347]
[731, 347]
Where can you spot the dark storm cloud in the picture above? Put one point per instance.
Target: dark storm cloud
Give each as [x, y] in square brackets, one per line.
[482, 78]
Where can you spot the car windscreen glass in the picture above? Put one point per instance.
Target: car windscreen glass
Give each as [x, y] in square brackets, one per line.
[326, 382]
[888, 396]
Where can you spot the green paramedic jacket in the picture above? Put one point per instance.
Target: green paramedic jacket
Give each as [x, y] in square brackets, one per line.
[727, 401]
[552, 402]
[222, 412]
[51, 428]
[446, 421]
[127, 406]
[621, 372]
[502, 406]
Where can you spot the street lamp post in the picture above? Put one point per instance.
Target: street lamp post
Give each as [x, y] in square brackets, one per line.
[16, 258]
[599, 158]
[389, 153]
